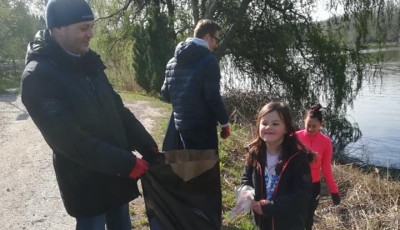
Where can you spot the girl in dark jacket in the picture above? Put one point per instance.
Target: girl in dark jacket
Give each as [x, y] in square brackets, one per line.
[277, 167]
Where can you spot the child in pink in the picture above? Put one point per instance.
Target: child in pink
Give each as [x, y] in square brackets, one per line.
[322, 146]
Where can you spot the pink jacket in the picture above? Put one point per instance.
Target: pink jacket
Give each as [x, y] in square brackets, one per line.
[322, 145]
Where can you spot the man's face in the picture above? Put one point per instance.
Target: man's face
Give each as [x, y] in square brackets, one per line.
[75, 38]
[213, 41]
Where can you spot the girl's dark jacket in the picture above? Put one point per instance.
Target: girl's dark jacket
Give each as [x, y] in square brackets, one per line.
[291, 196]
[86, 125]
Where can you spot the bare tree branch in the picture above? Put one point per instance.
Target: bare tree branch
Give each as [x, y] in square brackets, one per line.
[122, 10]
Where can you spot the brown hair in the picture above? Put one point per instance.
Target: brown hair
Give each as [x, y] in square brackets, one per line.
[257, 147]
[315, 112]
[206, 26]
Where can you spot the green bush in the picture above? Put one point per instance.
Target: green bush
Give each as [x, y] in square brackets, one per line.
[9, 82]
[153, 47]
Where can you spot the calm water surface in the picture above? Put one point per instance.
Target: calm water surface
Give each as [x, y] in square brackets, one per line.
[377, 112]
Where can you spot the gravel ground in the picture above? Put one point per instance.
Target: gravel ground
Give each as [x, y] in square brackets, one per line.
[29, 195]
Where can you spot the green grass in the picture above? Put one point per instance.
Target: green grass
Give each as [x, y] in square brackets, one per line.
[156, 101]
[392, 55]
[160, 125]
[231, 153]
[386, 45]
[9, 82]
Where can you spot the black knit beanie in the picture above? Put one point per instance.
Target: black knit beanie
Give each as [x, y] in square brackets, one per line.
[66, 12]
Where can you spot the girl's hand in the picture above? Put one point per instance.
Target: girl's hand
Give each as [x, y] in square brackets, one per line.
[256, 206]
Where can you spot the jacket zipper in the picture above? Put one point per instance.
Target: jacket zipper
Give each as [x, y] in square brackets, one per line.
[261, 183]
[90, 83]
[98, 100]
[277, 184]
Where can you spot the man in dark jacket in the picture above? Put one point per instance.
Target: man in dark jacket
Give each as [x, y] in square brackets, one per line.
[83, 120]
[191, 84]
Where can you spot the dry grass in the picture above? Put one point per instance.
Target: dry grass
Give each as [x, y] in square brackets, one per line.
[368, 201]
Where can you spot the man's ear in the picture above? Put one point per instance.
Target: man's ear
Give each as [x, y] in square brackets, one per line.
[55, 31]
[207, 37]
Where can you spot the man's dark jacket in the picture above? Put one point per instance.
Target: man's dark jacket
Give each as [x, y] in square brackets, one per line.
[192, 79]
[86, 125]
[292, 193]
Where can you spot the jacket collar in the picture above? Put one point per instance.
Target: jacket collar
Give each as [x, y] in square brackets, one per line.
[199, 42]
[313, 136]
[44, 46]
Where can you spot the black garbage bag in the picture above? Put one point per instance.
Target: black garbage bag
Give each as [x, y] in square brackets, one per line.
[184, 192]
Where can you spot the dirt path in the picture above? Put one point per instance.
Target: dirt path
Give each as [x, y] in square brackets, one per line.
[29, 195]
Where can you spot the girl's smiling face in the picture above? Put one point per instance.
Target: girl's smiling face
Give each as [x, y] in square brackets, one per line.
[272, 128]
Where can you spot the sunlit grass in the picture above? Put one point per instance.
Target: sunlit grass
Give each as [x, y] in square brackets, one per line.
[161, 123]
[231, 153]
[369, 201]
[139, 96]
[9, 82]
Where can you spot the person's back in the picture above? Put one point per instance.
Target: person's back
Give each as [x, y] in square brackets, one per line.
[191, 84]
[192, 67]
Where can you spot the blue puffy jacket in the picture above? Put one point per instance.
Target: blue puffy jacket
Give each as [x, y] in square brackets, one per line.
[192, 79]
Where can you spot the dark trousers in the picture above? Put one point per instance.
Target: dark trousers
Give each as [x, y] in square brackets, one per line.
[200, 138]
[316, 190]
[117, 218]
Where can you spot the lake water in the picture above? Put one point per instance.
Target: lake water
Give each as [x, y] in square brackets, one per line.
[377, 112]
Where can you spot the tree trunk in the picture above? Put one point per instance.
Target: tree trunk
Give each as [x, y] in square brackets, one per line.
[195, 9]
[14, 67]
[171, 9]
[1, 71]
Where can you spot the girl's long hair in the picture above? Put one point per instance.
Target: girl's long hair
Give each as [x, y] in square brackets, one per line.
[257, 148]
